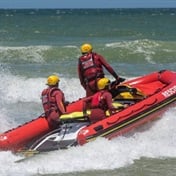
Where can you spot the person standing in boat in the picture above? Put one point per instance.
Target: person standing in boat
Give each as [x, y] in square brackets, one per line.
[53, 101]
[100, 102]
[90, 69]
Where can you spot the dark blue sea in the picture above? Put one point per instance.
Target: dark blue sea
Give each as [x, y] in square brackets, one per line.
[36, 43]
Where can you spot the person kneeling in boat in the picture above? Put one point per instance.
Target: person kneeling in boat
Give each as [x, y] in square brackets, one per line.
[100, 102]
[53, 101]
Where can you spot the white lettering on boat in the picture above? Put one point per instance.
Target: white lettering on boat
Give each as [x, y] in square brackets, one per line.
[169, 92]
[3, 137]
[84, 132]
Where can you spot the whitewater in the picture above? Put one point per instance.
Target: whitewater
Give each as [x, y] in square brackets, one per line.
[153, 140]
[37, 43]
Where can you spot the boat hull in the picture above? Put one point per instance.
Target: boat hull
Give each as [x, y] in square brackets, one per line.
[161, 97]
[159, 93]
[18, 138]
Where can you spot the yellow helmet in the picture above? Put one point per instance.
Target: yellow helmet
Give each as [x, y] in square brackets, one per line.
[102, 83]
[52, 80]
[86, 48]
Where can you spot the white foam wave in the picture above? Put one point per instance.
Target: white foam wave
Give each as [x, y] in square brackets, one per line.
[6, 122]
[25, 53]
[154, 140]
[22, 89]
[21, 97]
[145, 47]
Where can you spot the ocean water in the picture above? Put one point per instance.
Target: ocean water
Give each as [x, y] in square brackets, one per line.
[36, 43]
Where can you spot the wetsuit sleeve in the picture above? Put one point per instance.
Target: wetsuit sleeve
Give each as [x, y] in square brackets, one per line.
[108, 67]
[80, 74]
[86, 104]
[108, 98]
[60, 99]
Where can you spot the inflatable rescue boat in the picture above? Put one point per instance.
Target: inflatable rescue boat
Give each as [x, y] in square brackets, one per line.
[138, 101]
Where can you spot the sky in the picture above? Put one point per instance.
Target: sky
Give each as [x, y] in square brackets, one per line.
[59, 4]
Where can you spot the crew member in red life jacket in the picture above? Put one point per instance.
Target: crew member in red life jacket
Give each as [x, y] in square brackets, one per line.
[100, 102]
[53, 101]
[90, 69]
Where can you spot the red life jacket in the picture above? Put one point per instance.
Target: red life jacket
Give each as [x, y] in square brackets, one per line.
[49, 101]
[98, 101]
[89, 67]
